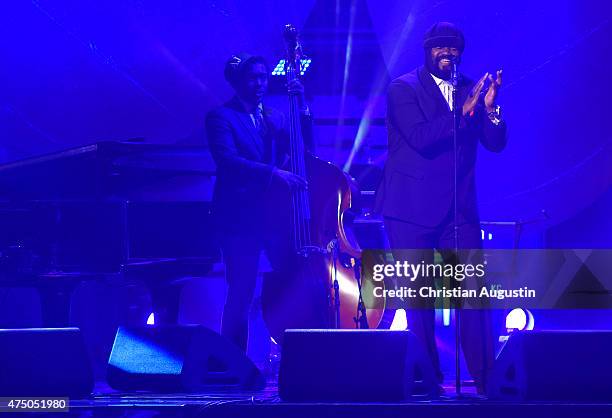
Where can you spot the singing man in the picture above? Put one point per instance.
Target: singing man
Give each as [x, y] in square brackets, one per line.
[417, 193]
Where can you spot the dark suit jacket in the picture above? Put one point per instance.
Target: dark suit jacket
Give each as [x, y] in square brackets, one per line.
[417, 184]
[245, 161]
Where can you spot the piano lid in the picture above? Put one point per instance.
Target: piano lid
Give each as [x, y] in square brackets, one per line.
[112, 170]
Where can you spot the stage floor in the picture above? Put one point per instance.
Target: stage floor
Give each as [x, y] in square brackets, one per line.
[267, 404]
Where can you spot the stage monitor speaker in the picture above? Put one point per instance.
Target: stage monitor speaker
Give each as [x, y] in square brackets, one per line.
[44, 362]
[554, 366]
[354, 365]
[186, 358]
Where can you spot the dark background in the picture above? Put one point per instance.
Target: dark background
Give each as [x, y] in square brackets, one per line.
[76, 72]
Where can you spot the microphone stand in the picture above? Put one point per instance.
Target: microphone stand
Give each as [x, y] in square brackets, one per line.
[456, 120]
[333, 247]
[361, 320]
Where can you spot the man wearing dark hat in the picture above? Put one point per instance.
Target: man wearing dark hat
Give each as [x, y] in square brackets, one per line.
[417, 194]
[249, 143]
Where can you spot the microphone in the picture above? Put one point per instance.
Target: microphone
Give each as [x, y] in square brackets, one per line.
[454, 72]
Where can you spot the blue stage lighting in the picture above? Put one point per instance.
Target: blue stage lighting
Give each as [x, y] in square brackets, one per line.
[129, 345]
[279, 70]
[519, 320]
[486, 236]
[400, 322]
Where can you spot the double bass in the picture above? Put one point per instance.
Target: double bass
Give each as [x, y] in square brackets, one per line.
[315, 282]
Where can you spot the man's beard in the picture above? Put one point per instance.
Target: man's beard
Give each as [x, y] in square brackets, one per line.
[432, 66]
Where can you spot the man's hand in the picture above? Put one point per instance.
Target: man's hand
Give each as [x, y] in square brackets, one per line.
[472, 99]
[295, 87]
[289, 179]
[494, 86]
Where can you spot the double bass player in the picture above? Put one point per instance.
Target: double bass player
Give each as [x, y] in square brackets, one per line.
[249, 144]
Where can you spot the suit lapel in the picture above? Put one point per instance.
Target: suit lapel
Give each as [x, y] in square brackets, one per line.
[433, 90]
[270, 146]
[250, 134]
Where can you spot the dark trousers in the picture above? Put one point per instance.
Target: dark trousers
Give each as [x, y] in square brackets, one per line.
[241, 255]
[475, 324]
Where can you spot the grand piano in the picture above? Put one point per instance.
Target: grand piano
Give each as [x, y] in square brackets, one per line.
[128, 210]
